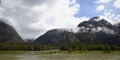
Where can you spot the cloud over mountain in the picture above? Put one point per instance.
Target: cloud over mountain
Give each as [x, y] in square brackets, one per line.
[33, 17]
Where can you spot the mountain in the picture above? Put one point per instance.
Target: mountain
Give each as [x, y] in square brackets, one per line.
[9, 34]
[56, 37]
[96, 24]
[29, 40]
[97, 30]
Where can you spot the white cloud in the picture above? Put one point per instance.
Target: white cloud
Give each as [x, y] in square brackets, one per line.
[109, 13]
[111, 16]
[100, 8]
[108, 8]
[33, 17]
[81, 19]
[102, 1]
[116, 4]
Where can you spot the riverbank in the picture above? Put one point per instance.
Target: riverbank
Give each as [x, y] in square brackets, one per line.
[63, 55]
[58, 52]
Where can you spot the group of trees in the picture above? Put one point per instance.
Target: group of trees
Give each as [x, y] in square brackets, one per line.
[64, 47]
[89, 47]
[24, 46]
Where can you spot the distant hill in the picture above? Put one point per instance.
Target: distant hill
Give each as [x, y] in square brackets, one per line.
[56, 37]
[9, 34]
[97, 30]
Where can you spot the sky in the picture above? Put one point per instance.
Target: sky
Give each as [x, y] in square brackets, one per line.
[32, 18]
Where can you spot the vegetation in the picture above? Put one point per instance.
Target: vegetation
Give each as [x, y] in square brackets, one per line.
[65, 47]
[89, 47]
[24, 46]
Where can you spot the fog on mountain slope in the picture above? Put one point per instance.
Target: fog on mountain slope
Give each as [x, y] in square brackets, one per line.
[9, 34]
[91, 31]
[97, 24]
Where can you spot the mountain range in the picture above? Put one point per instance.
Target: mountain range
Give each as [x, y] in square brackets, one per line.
[97, 30]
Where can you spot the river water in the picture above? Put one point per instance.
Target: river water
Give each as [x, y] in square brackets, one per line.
[32, 55]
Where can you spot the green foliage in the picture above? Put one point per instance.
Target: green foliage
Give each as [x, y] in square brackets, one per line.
[24, 46]
[89, 47]
[65, 47]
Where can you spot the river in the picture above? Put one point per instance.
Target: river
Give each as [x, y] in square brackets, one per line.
[36, 55]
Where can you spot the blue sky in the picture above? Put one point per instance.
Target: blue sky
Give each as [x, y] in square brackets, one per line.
[88, 7]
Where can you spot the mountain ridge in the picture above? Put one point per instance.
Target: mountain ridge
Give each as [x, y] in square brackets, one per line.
[8, 34]
[91, 31]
